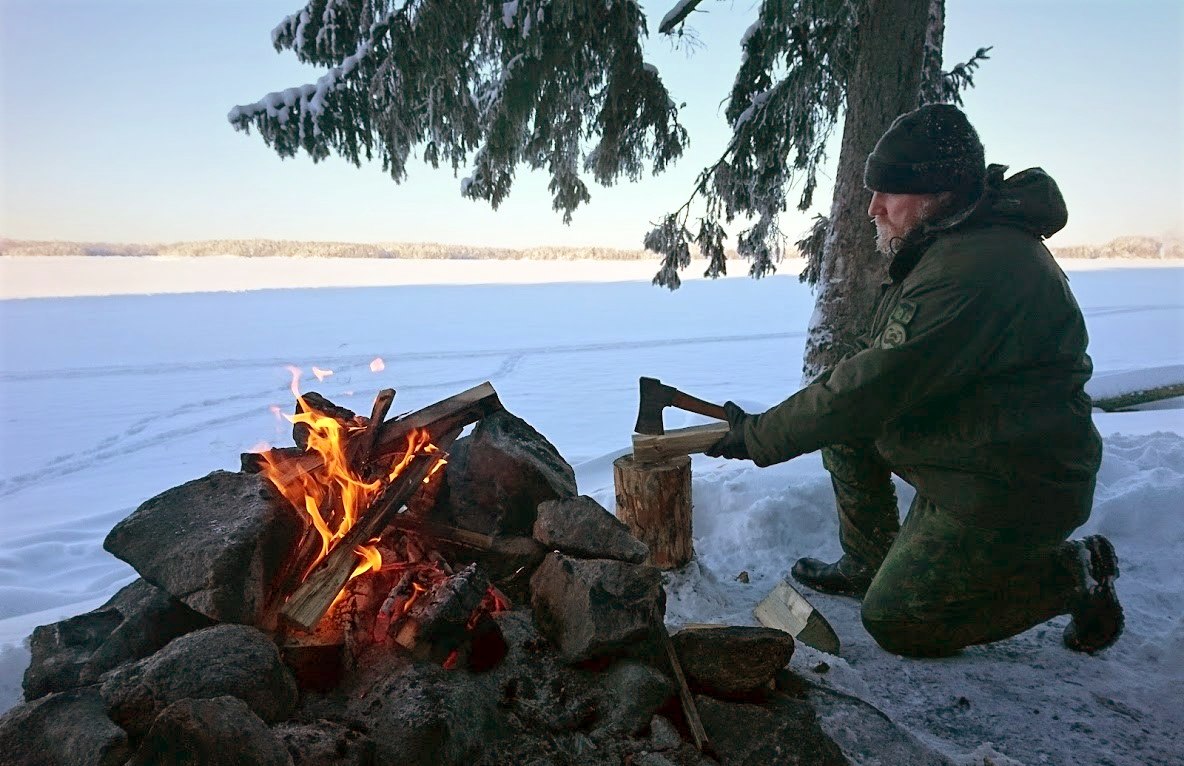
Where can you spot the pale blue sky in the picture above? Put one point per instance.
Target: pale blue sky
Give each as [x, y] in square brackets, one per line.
[113, 126]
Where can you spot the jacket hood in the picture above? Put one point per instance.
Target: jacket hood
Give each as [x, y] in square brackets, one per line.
[1029, 200]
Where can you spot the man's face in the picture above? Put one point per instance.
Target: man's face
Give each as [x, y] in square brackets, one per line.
[898, 214]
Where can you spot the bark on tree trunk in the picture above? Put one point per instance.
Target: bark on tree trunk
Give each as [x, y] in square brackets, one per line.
[886, 82]
[654, 501]
[935, 33]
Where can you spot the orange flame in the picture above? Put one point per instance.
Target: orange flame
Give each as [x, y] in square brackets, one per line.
[334, 496]
[371, 560]
[377, 365]
[321, 374]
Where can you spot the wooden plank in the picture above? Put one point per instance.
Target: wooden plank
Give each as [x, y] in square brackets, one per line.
[653, 448]
[786, 609]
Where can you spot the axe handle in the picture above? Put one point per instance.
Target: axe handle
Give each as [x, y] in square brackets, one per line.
[698, 406]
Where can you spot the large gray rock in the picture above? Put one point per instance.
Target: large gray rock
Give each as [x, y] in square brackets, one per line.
[66, 729]
[215, 543]
[325, 743]
[210, 732]
[230, 660]
[581, 527]
[536, 688]
[137, 621]
[596, 607]
[734, 660]
[631, 693]
[423, 715]
[866, 735]
[781, 730]
[496, 477]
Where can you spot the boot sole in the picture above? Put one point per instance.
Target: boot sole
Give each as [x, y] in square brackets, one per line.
[1103, 561]
[1103, 567]
[816, 584]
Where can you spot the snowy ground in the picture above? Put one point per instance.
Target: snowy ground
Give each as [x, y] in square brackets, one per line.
[112, 390]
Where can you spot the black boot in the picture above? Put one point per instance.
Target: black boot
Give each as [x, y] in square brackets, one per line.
[845, 577]
[1097, 618]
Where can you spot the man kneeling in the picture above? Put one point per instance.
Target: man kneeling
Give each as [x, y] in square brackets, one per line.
[970, 387]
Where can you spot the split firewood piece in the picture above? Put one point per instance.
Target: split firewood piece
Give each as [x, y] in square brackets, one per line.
[653, 448]
[314, 597]
[256, 462]
[300, 560]
[689, 708]
[786, 609]
[451, 414]
[393, 607]
[361, 445]
[438, 621]
[508, 545]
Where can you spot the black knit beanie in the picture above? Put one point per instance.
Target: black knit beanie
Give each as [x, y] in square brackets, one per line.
[925, 151]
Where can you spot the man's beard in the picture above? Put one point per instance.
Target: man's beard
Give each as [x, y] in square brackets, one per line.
[889, 237]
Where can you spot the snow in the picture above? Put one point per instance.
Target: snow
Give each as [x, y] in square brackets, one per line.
[678, 10]
[122, 377]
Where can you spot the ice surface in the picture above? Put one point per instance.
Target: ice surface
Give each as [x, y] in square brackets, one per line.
[110, 399]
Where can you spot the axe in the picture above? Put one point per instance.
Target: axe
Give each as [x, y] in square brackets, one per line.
[656, 396]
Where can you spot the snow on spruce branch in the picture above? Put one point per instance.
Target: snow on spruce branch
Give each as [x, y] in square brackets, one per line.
[310, 98]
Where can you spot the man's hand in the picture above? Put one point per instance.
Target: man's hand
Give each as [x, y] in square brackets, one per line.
[732, 445]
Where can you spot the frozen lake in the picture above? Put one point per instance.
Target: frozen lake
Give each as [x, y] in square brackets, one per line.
[120, 378]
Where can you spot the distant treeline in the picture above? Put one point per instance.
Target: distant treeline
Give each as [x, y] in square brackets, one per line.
[1123, 247]
[270, 248]
[1126, 247]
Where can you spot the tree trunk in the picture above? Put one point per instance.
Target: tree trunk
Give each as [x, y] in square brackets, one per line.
[935, 33]
[654, 501]
[886, 82]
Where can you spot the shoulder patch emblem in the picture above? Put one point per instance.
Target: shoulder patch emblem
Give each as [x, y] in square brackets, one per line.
[904, 311]
[894, 334]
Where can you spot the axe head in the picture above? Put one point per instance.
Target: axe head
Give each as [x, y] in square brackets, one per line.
[654, 397]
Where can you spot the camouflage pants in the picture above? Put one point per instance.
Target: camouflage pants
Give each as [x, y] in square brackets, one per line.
[941, 583]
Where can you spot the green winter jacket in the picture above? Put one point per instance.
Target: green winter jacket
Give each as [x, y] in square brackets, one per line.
[971, 382]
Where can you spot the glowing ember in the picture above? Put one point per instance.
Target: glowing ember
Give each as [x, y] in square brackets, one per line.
[377, 365]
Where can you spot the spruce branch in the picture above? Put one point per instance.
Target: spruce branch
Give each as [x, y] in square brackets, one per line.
[947, 87]
[555, 86]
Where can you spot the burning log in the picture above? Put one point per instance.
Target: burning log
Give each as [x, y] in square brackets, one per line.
[361, 448]
[508, 545]
[393, 606]
[314, 597]
[453, 413]
[438, 622]
[314, 402]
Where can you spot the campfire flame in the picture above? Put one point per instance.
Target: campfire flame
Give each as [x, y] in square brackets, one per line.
[334, 496]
